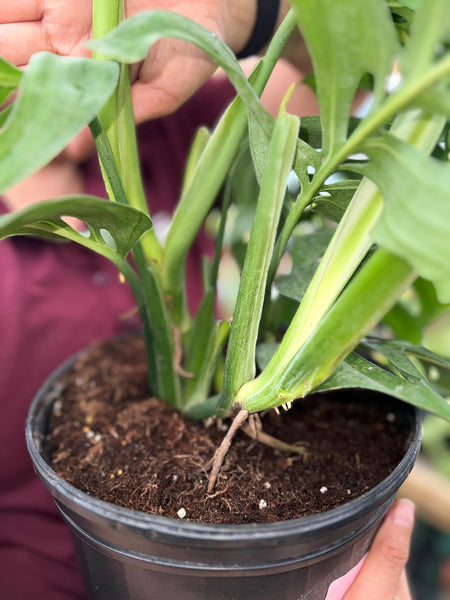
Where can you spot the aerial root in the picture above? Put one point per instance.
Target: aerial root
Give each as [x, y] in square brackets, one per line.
[222, 450]
[255, 431]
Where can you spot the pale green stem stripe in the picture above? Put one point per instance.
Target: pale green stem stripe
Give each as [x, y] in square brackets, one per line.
[373, 291]
[348, 247]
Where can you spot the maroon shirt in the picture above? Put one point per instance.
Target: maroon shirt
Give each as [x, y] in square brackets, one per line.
[54, 300]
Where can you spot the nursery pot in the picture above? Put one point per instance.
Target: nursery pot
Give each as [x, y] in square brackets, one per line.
[126, 554]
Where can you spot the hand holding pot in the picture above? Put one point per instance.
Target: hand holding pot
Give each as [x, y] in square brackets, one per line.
[383, 576]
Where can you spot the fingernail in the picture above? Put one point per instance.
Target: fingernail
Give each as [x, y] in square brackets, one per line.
[403, 513]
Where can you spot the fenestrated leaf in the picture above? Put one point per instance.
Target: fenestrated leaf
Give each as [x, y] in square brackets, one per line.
[409, 385]
[334, 199]
[57, 98]
[124, 225]
[397, 352]
[346, 40]
[415, 220]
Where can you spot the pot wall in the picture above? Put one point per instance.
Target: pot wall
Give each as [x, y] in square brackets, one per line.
[127, 555]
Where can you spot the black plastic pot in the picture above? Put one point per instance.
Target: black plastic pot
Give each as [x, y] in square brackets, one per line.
[135, 556]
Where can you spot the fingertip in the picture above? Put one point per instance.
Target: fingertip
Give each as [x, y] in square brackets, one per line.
[402, 513]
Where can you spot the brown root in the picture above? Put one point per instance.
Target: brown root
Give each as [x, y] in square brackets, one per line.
[255, 431]
[222, 450]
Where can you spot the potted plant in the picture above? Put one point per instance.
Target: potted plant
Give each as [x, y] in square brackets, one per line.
[375, 176]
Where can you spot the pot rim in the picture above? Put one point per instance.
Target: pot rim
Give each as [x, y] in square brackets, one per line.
[166, 526]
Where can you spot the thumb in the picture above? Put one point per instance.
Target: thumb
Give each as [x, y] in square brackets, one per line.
[380, 577]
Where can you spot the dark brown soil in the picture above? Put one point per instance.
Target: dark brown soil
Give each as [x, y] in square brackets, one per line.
[109, 439]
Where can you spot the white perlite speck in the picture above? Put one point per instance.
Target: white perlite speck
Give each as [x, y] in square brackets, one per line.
[323, 489]
[181, 513]
[262, 504]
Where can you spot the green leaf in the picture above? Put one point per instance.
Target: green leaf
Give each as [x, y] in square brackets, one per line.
[437, 99]
[4, 115]
[333, 200]
[10, 77]
[113, 228]
[57, 98]
[311, 131]
[201, 138]
[346, 40]
[412, 4]
[306, 252]
[415, 220]
[410, 385]
[429, 33]
[431, 25]
[264, 353]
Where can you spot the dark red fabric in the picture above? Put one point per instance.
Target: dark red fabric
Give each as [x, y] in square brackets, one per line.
[54, 300]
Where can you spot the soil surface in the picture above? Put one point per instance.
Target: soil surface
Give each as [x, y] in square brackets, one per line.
[109, 439]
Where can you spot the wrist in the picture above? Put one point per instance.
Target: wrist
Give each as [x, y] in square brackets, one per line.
[238, 20]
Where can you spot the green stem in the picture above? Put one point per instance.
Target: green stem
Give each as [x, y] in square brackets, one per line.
[163, 380]
[130, 166]
[105, 17]
[138, 293]
[349, 244]
[117, 120]
[240, 361]
[115, 136]
[372, 292]
[212, 167]
[396, 102]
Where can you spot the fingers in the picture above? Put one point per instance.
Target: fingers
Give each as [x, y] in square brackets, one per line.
[18, 41]
[382, 576]
[20, 11]
[170, 75]
[402, 591]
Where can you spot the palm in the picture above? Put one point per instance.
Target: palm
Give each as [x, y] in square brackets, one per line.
[63, 26]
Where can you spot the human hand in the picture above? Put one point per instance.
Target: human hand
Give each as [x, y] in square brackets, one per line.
[383, 576]
[173, 70]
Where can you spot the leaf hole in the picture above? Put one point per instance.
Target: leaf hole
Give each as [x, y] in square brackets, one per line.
[293, 184]
[108, 238]
[77, 225]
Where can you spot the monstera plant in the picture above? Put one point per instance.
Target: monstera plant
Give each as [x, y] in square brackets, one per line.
[355, 209]
[383, 178]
